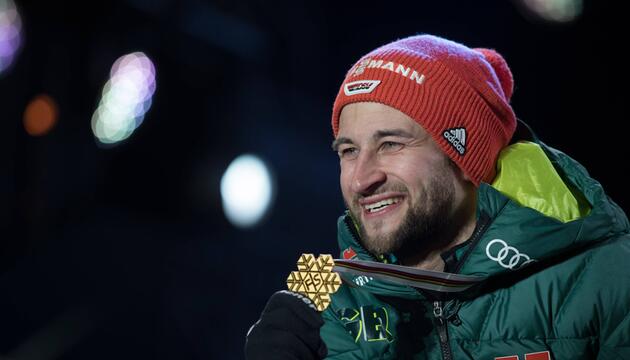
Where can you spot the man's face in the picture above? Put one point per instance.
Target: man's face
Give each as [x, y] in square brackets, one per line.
[399, 186]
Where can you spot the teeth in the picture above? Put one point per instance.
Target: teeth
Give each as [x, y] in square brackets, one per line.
[378, 205]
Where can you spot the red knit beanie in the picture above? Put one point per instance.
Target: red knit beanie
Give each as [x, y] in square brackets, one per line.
[459, 95]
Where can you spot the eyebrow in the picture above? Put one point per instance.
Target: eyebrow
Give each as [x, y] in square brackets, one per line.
[377, 135]
[339, 141]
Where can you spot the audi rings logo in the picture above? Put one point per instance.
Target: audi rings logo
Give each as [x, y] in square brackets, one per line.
[507, 256]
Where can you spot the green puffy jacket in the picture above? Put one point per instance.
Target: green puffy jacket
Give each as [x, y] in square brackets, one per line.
[560, 291]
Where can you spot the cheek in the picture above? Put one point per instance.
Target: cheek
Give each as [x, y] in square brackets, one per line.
[344, 181]
[413, 168]
[413, 177]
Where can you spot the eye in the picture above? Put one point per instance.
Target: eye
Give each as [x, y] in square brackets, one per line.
[391, 146]
[348, 153]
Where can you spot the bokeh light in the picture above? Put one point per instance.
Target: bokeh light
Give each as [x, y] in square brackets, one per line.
[40, 115]
[126, 98]
[247, 191]
[560, 11]
[10, 33]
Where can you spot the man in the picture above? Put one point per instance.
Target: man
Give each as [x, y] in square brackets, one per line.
[437, 174]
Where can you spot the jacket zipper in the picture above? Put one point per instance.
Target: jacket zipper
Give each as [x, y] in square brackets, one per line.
[484, 220]
[442, 327]
[438, 310]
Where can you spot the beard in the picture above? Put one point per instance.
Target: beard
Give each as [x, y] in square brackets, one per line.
[424, 227]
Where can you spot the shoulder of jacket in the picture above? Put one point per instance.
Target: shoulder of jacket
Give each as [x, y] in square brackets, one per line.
[606, 263]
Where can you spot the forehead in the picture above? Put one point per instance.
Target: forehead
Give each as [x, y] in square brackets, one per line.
[367, 117]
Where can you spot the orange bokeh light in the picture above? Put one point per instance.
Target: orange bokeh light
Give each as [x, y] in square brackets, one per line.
[40, 115]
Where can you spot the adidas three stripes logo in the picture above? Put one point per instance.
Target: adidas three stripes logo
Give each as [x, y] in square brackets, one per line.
[457, 138]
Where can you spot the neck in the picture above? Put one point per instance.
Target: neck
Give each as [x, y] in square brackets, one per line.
[431, 259]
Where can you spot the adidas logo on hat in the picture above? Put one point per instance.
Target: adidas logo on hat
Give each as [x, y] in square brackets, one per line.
[457, 138]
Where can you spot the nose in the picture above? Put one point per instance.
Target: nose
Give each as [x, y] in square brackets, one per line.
[368, 175]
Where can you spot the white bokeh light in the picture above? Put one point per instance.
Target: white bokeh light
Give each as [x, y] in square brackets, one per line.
[560, 11]
[246, 191]
[126, 98]
[10, 33]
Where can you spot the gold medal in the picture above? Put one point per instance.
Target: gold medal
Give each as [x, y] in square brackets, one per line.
[315, 279]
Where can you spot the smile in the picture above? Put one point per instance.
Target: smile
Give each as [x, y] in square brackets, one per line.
[381, 205]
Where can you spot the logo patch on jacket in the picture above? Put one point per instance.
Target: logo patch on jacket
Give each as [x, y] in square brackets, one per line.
[349, 253]
[505, 255]
[542, 355]
[362, 280]
[368, 323]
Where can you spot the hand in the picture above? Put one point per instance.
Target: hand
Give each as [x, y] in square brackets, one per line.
[288, 329]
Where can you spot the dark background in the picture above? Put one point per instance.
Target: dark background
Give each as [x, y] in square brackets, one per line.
[125, 252]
